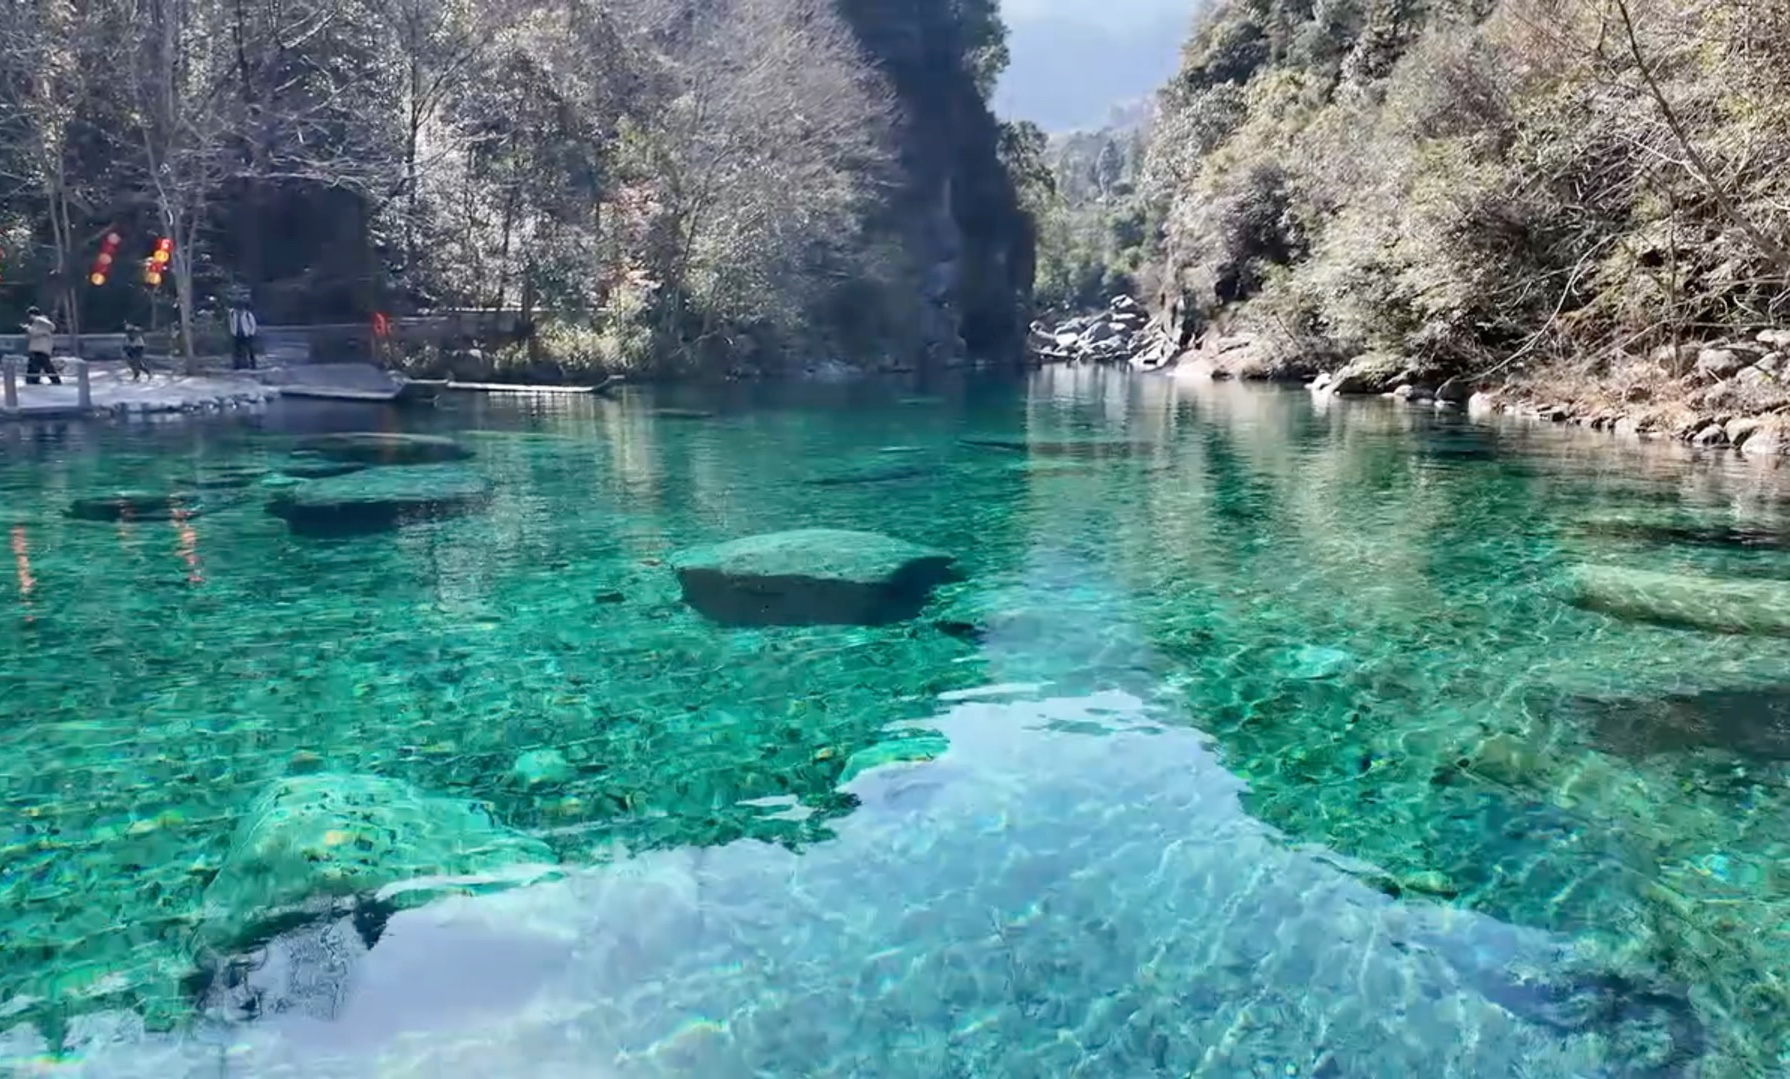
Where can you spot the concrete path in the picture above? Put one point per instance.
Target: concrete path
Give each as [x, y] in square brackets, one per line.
[115, 393]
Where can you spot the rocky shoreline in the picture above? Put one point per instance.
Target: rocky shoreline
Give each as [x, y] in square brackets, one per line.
[1122, 333]
[1727, 394]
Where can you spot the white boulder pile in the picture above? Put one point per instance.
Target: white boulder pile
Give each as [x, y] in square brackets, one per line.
[1120, 334]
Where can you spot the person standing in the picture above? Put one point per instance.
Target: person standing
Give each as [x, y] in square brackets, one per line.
[40, 341]
[243, 329]
[134, 348]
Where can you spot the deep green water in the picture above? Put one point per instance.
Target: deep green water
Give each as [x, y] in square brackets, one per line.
[1274, 751]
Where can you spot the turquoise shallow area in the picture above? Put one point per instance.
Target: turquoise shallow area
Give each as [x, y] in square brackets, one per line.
[1265, 745]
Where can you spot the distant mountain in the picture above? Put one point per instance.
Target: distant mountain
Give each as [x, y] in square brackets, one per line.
[1069, 72]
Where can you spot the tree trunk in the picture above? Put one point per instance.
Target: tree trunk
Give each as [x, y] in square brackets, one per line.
[184, 227]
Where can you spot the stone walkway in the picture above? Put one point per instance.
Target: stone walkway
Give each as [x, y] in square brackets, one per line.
[114, 393]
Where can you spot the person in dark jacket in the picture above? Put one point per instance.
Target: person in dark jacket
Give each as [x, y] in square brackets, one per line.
[243, 329]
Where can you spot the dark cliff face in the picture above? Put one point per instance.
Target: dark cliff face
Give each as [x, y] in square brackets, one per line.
[955, 208]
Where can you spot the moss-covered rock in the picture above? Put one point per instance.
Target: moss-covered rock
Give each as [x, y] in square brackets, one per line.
[310, 842]
[1718, 604]
[376, 500]
[811, 576]
[386, 448]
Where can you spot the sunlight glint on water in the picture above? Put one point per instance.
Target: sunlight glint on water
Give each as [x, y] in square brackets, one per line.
[1295, 762]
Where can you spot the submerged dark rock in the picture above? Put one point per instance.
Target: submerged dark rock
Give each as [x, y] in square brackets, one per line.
[810, 577]
[137, 506]
[1078, 447]
[864, 476]
[230, 476]
[1686, 532]
[1752, 722]
[313, 467]
[378, 500]
[386, 448]
[373, 973]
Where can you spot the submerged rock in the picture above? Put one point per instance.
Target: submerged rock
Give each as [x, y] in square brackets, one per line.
[541, 767]
[230, 476]
[137, 506]
[914, 750]
[309, 842]
[854, 477]
[1717, 604]
[377, 500]
[1752, 722]
[1686, 529]
[314, 467]
[811, 576]
[377, 973]
[387, 448]
[1077, 447]
[1313, 662]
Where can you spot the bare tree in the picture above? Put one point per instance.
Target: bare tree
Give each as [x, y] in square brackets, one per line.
[765, 157]
[47, 77]
[180, 76]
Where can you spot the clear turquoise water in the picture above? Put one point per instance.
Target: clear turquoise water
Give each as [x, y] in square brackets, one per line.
[1275, 752]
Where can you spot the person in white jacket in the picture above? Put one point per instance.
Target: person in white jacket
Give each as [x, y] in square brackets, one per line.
[40, 340]
[243, 329]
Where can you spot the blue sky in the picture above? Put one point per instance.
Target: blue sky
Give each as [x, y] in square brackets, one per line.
[1073, 60]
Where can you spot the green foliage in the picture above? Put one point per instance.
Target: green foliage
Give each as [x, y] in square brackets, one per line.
[1093, 227]
[1471, 184]
[737, 167]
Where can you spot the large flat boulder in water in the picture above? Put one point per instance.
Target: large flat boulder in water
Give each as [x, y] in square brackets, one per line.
[811, 576]
[379, 499]
[386, 448]
[1718, 604]
[311, 842]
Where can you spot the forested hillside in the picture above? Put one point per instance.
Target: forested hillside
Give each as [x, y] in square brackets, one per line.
[1560, 192]
[673, 185]
[1093, 223]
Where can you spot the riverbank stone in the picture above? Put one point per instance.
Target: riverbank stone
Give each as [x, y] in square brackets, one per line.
[811, 576]
[137, 506]
[386, 448]
[310, 843]
[378, 500]
[1715, 604]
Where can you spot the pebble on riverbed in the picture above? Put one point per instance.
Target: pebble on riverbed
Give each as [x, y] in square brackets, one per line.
[541, 767]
